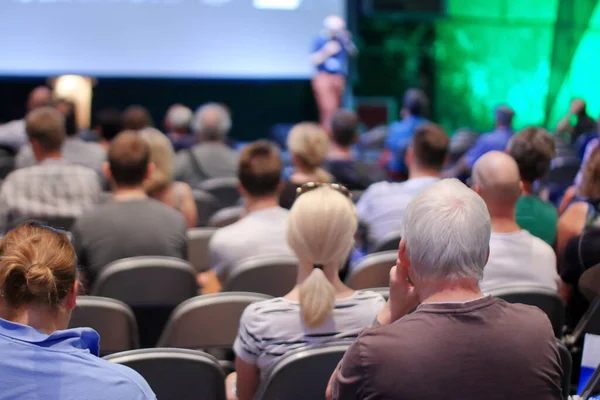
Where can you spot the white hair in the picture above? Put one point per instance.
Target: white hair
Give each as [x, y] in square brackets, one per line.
[447, 232]
[320, 230]
[212, 121]
[179, 117]
[334, 23]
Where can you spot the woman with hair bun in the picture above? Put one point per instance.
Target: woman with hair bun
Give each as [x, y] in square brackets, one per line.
[41, 358]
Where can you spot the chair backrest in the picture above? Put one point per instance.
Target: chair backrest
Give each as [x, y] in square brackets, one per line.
[271, 275]
[389, 242]
[546, 300]
[111, 318]
[198, 251]
[206, 205]
[209, 321]
[301, 374]
[225, 190]
[176, 374]
[589, 323]
[563, 170]
[226, 216]
[566, 363]
[372, 271]
[589, 283]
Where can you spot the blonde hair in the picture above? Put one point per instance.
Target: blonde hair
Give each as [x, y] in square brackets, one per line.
[161, 155]
[320, 230]
[309, 143]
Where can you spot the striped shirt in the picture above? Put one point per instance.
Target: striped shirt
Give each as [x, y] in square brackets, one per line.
[270, 328]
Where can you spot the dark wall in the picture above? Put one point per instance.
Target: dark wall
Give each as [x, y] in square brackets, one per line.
[256, 105]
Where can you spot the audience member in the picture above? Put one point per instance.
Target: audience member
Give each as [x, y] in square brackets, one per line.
[160, 185]
[517, 258]
[53, 188]
[132, 224]
[108, 123]
[381, 207]
[584, 124]
[307, 143]
[320, 308]
[414, 107]
[136, 118]
[497, 140]
[346, 170]
[262, 231]
[74, 149]
[415, 356]
[533, 149]
[13, 134]
[211, 157]
[42, 357]
[177, 123]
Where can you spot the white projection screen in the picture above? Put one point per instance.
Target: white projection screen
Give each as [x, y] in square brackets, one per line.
[226, 39]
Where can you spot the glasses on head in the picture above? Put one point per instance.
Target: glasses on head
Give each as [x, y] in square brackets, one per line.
[307, 187]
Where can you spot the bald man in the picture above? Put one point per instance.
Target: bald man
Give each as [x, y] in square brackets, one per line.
[517, 258]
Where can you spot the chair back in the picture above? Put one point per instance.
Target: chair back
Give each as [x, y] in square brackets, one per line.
[225, 190]
[589, 323]
[566, 362]
[546, 300]
[198, 251]
[207, 322]
[589, 283]
[112, 319]
[301, 374]
[271, 275]
[57, 222]
[206, 205]
[373, 271]
[563, 170]
[176, 374]
[390, 242]
[226, 216]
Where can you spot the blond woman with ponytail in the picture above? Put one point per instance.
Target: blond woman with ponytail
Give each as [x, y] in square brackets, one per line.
[320, 309]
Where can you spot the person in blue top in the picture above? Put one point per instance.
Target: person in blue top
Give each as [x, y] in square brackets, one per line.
[41, 358]
[496, 140]
[330, 56]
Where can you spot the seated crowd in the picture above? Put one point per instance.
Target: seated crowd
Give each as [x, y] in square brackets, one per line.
[127, 190]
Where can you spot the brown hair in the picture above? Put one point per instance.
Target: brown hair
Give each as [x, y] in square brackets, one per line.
[591, 176]
[430, 146]
[37, 265]
[128, 157]
[46, 125]
[533, 149]
[137, 117]
[259, 168]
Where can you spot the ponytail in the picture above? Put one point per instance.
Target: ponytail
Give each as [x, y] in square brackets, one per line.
[317, 298]
[322, 175]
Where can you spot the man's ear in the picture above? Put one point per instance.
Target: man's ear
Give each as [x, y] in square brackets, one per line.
[243, 192]
[149, 170]
[106, 171]
[409, 156]
[521, 187]
[71, 299]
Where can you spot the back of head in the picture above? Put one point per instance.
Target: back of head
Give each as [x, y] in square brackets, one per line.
[178, 117]
[260, 168]
[321, 228]
[128, 158]
[430, 145]
[415, 102]
[447, 232]
[590, 186]
[212, 121]
[309, 143]
[504, 116]
[344, 127]
[533, 149]
[41, 96]
[136, 118]
[109, 122]
[68, 109]
[46, 126]
[161, 155]
[37, 266]
[496, 176]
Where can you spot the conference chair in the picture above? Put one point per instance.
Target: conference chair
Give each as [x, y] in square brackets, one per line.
[301, 374]
[566, 363]
[226, 216]
[271, 275]
[206, 205]
[112, 319]
[176, 374]
[561, 175]
[151, 286]
[589, 323]
[225, 190]
[198, 250]
[546, 300]
[389, 242]
[373, 271]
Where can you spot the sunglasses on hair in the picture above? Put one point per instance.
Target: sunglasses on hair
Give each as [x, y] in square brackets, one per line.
[307, 187]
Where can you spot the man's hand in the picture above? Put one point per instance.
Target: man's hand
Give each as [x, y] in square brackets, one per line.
[332, 47]
[403, 296]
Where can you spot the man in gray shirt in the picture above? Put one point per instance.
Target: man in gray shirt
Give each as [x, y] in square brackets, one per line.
[211, 158]
[131, 224]
[458, 343]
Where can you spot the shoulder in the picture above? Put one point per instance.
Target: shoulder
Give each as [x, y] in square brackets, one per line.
[375, 189]
[264, 314]
[133, 385]
[537, 244]
[369, 297]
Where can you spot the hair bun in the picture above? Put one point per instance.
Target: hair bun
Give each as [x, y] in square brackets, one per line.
[41, 282]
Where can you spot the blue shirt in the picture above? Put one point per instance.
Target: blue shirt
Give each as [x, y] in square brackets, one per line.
[337, 63]
[400, 134]
[497, 140]
[62, 366]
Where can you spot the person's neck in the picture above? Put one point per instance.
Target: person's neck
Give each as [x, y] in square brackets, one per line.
[303, 175]
[39, 318]
[126, 193]
[415, 171]
[503, 219]
[337, 152]
[260, 203]
[49, 156]
[457, 291]
[527, 188]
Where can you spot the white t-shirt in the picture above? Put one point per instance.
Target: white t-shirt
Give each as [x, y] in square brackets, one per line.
[382, 205]
[519, 259]
[271, 328]
[260, 233]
